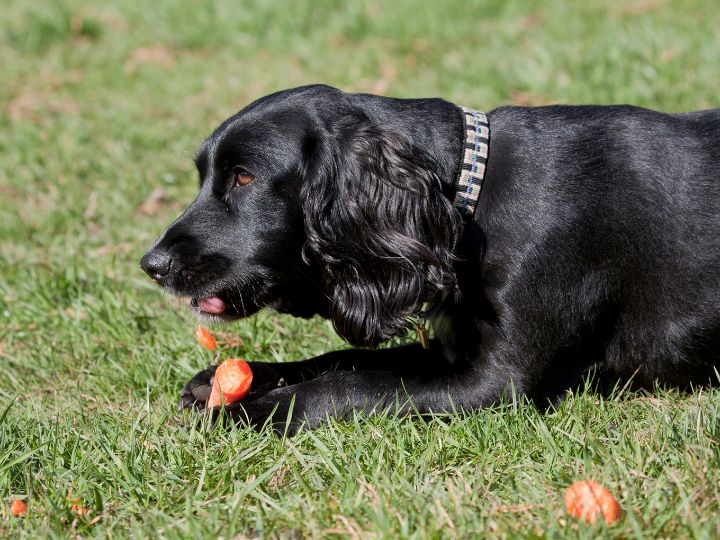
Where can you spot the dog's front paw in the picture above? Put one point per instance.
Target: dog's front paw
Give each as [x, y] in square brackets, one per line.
[273, 408]
[196, 392]
[266, 377]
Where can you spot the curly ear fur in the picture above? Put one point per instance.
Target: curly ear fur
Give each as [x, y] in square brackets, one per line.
[380, 228]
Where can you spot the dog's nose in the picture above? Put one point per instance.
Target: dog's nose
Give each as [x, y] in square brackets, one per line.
[156, 264]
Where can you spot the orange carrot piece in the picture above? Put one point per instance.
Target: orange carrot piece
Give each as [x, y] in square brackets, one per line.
[18, 508]
[79, 509]
[232, 382]
[205, 338]
[589, 500]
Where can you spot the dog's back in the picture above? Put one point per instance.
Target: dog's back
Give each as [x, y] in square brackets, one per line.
[611, 215]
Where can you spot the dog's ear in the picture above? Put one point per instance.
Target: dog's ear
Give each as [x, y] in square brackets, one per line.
[380, 228]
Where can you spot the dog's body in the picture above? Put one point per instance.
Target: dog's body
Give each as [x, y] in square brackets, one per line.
[595, 246]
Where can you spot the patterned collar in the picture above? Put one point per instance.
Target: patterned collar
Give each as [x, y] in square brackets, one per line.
[475, 156]
[467, 188]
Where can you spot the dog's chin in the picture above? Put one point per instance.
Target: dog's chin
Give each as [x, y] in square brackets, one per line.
[213, 318]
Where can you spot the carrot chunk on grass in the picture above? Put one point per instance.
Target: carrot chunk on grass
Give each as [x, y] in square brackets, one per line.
[205, 338]
[18, 508]
[589, 501]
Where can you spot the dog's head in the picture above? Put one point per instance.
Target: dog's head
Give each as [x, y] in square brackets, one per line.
[308, 207]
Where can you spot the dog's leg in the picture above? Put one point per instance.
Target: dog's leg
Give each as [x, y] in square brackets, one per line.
[197, 391]
[435, 388]
[268, 376]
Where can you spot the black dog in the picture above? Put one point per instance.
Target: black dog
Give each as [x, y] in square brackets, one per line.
[595, 246]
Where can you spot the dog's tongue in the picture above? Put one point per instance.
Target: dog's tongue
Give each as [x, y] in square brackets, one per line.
[211, 305]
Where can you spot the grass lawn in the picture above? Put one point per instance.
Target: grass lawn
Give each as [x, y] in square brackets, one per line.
[102, 105]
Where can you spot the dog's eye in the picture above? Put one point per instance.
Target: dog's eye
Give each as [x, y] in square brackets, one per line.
[242, 177]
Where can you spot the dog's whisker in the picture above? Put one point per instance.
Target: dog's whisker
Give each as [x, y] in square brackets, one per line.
[242, 302]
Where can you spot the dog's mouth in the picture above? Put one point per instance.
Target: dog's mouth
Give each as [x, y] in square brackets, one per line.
[214, 309]
[233, 301]
[213, 305]
[223, 307]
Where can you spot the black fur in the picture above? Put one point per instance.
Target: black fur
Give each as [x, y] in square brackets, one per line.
[595, 247]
